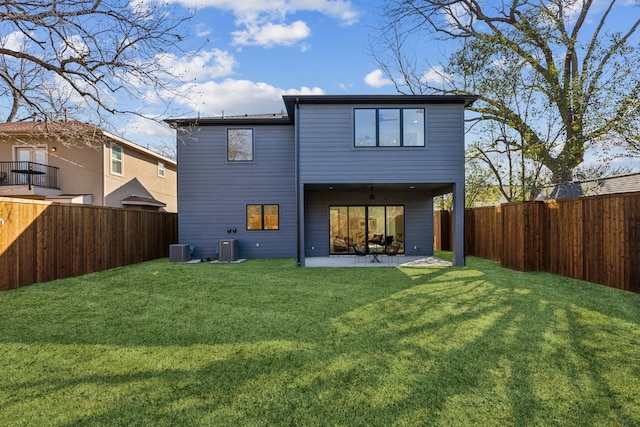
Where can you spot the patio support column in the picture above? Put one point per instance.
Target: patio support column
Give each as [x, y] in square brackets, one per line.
[301, 244]
[458, 224]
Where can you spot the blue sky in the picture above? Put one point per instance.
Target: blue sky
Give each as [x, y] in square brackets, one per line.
[241, 56]
[248, 53]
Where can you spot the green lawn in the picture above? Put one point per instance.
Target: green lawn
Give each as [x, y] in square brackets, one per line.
[266, 343]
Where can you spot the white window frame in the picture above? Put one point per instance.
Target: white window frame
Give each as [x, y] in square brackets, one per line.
[161, 169]
[121, 160]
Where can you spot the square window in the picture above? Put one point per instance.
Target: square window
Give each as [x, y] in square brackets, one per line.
[263, 217]
[240, 145]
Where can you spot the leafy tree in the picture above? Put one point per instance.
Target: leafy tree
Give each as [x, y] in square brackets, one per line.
[70, 56]
[556, 74]
[503, 156]
[480, 188]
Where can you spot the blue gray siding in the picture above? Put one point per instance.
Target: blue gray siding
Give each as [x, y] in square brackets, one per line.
[213, 193]
[327, 152]
[327, 156]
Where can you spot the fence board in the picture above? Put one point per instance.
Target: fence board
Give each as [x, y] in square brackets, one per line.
[632, 244]
[42, 241]
[442, 237]
[564, 239]
[593, 238]
[484, 236]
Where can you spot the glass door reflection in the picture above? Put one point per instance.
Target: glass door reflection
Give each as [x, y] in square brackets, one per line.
[377, 227]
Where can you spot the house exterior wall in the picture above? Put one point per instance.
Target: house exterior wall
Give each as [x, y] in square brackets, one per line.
[84, 170]
[79, 167]
[80, 170]
[327, 153]
[139, 177]
[299, 158]
[214, 193]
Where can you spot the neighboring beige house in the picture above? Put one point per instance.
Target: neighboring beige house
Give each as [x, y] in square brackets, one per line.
[74, 162]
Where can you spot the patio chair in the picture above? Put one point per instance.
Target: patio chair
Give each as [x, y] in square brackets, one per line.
[361, 251]
[392, 251]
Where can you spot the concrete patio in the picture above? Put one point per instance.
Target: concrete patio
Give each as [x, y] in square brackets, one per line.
[369, 261]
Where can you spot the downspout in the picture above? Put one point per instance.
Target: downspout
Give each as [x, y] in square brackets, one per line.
[106, 168]
[297, 182]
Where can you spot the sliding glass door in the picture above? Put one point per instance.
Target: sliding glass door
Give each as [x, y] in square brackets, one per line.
[374, 226]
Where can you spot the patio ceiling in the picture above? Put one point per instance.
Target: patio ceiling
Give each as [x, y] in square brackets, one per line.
[437, 188]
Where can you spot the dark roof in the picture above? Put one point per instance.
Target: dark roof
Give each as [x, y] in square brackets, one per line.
[142, 201]
[40, 126]
[611, 185]
[290, 102]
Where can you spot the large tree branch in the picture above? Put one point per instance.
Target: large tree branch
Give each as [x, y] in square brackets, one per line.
[93, 46]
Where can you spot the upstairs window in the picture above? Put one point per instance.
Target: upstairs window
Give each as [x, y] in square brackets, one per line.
[389, 127]
[239, 145]
[116, 160]
[161, 169]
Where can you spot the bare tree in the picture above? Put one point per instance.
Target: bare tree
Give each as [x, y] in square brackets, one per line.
[82, 54]
[561, 85]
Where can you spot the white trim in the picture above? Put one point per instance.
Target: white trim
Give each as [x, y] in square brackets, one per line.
[33, 147]
[161, 169]
[126, 143]
[121, 160]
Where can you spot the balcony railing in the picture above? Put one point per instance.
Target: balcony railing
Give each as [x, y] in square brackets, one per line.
[30, 174]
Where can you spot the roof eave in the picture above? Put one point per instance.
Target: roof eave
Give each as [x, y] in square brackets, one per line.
[291, 100]
[234, 121]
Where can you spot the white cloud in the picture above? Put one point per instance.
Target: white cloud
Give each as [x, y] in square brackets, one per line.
[376, 79]
[236, 97]
[269, 34]
[202, 30]
[342, 10]
[456, 15]
[146, 127]
[73, 46]
[264, 22]
[436, 76]
[13, 41]
[202, 65]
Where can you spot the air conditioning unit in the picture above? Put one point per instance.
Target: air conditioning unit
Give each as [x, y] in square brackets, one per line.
[228, 250]
[179, 253]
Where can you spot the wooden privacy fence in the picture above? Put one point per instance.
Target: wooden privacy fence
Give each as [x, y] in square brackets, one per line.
[42, 241]
[596, 238]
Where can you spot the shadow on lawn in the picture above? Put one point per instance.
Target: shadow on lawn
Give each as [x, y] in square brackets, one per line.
[453, 346]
